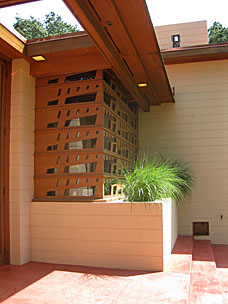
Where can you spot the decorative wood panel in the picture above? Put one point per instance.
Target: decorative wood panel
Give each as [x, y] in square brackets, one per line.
[5, 86]
[85, 135]
[120, 132]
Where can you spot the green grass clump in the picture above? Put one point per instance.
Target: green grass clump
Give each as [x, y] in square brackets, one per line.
[150, 181]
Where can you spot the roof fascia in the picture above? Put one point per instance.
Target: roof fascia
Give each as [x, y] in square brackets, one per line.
[208, 52]
[6, 3]
[12, 41]
[58, 44]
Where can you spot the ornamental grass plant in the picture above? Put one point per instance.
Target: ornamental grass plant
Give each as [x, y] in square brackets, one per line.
[157, 179]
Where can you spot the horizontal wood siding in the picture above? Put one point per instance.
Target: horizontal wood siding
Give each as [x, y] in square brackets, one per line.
[109, 235]
[195, 129]
[191, 33]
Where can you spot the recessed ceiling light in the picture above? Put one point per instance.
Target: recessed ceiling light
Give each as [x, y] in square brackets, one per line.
[142, 85]
[39, 58]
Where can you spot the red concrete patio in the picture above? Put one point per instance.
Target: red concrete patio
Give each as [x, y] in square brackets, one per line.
[197, 273]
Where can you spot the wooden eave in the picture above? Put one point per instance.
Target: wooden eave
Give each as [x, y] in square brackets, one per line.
[6, 3]
[69, 53]
[59, 43]
[10, 45]
[207, 52]
[124, 34]
[128, 42]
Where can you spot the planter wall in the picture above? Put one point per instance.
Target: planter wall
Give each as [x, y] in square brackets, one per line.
[112, 235]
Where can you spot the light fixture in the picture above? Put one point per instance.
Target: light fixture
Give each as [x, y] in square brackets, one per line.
[38, 58]
[142, 85]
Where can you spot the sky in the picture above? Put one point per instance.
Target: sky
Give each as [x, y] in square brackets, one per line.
[161, 12]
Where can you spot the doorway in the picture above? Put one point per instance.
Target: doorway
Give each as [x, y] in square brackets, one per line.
[4, 160]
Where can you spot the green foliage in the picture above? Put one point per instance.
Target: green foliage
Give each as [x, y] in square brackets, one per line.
[30, 28]
[217, 33]
[54, 25]
[150, 181]
[33, 28]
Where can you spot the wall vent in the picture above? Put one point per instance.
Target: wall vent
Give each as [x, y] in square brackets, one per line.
[200, 228]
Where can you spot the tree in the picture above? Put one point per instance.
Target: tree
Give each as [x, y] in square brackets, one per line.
[33, 28]
[217, 33]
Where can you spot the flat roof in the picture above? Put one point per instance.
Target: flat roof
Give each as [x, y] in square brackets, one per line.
[73, 41]
[116, 42]
[131, 51]
[124, 34]
[198, 53]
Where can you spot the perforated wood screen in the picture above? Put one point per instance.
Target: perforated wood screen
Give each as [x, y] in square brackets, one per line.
[86, 131]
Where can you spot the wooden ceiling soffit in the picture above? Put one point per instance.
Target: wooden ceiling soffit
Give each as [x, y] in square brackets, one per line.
[67, 64]
[123, 32]
[6, 3]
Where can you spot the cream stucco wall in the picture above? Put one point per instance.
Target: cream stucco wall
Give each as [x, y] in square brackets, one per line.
[174, 223]
[113, 235]
[195, 129]
[170, 228]
[191, 33]
[21, 160]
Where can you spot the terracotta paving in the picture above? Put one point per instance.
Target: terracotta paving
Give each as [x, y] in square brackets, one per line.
[51, 283]
[204, 284]
[221, 259]
[181, 257]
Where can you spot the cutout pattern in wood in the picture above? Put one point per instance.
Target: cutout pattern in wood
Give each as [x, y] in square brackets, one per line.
[120, 132]
[69, 137]
[86, 132]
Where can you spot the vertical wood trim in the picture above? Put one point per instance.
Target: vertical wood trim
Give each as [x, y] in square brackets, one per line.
[5, 128]
[2, 67]
[7, 151]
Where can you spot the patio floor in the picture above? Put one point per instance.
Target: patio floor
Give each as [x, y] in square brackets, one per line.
[197, 273]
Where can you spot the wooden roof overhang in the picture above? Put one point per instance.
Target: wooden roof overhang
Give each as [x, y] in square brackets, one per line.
[6, 3]
[11, 46]
[70, 53]
[124, 34]
[199, 53]
[74, 52]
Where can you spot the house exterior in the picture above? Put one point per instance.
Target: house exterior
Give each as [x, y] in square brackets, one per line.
[74, 111]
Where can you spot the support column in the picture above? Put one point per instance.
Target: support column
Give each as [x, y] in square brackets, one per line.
[22, 120]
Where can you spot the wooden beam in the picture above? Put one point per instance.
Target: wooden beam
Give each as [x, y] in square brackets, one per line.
[134, 50]
[142, 33]
[129, 48]
[90, 22]
[6, 3]
[7, 37]
[58, 44]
